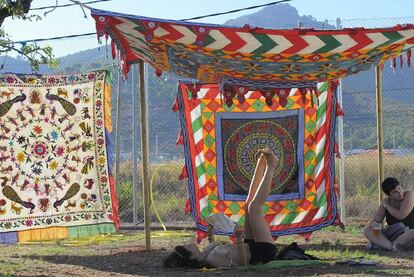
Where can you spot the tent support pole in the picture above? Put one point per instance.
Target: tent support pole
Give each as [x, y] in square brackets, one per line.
[117, 131]
[144, 155]
[342, 193]
[134, 145]
[380, 137]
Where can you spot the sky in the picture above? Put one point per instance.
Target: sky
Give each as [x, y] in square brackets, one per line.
[69, 21]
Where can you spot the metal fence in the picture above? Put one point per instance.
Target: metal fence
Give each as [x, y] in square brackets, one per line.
[169, 195]
[360, 129]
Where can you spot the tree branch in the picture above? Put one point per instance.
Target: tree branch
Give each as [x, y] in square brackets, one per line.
[35, 54]
[14, 8]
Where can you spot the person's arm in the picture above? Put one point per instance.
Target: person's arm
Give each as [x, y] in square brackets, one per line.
[241, 252]
[407, 206]
[379, 215]
[210, 234]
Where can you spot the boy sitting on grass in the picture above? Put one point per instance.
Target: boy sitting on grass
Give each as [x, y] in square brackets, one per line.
[398, 210]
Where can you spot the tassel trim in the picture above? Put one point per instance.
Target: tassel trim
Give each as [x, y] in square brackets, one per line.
[187, 208]
[158, 72]
[175, 108]
[339, 110]
[307, 236]
[114, 201]
[180, 138]
[184, 173]
[336, 150]
[338, 222]
[201, 235]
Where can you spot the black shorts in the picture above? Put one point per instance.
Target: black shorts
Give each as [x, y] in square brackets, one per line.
[261, 252]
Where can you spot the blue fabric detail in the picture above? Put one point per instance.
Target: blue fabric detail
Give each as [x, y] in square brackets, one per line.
[8, 238]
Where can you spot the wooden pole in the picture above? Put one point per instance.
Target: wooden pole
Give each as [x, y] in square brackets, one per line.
[341, 149]
[380, 135]
[134, 76]
[342, 195]
[144, 156]
[117, 124]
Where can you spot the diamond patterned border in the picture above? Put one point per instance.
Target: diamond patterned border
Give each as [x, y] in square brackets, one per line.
[316, 210]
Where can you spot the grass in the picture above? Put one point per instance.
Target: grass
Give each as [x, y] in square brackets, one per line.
[331, 244]
[7, 268]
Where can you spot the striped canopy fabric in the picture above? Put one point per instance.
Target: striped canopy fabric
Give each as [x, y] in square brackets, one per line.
[244, 78]
[212, 53]
[220, 142]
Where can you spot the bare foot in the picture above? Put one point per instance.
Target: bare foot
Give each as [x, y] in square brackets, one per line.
[271, 159]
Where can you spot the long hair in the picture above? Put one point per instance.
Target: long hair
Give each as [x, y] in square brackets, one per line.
[181, 257]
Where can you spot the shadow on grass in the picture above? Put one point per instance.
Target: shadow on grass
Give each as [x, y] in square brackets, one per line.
[149, 263]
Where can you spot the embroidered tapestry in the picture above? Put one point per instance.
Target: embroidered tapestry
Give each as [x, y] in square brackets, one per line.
[211, 52]
[53, 151]
[221, 140]
[240, 135]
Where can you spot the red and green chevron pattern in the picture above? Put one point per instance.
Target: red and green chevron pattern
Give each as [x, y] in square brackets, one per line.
[303, 215]
[210, 52]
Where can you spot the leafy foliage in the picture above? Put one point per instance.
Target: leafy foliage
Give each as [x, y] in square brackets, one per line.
[35, 54]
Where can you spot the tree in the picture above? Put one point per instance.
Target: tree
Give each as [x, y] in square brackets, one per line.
[34, 53]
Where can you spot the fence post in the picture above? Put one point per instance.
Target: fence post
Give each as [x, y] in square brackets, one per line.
[380, 138]
[341, 149]
[144, 154]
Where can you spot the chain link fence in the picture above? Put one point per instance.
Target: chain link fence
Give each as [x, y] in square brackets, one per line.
[168, 195]
[360, 128]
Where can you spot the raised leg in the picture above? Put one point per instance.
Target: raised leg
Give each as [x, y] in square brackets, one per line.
[258, 224]
[257, 177]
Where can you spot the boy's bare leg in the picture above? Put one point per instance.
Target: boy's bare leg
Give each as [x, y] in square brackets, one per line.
[258, 224]
[380, 239]
[257, 177]
[406, 240]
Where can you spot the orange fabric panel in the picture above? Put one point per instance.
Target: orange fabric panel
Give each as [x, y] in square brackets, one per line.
[51, 233]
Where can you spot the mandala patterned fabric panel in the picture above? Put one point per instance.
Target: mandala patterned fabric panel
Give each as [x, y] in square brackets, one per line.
[221, 142]
[210, 53]
[239, 136]
[54, 160]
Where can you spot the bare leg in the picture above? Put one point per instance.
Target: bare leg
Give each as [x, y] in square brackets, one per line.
[259, 226]
[406, 240]
[257, 177]
[380, 240]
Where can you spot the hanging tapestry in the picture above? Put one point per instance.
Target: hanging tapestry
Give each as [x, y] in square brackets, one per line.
[239, 137]
[211, 52]
[53, 151]
[221, 140]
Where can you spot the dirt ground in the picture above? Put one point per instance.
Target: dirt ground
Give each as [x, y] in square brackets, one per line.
[125, 255]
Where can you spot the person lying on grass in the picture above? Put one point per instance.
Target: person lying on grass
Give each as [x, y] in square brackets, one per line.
[398, 210]
[258, 246]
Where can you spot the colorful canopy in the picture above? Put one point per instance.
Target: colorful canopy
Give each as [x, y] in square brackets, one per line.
[213, 53]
